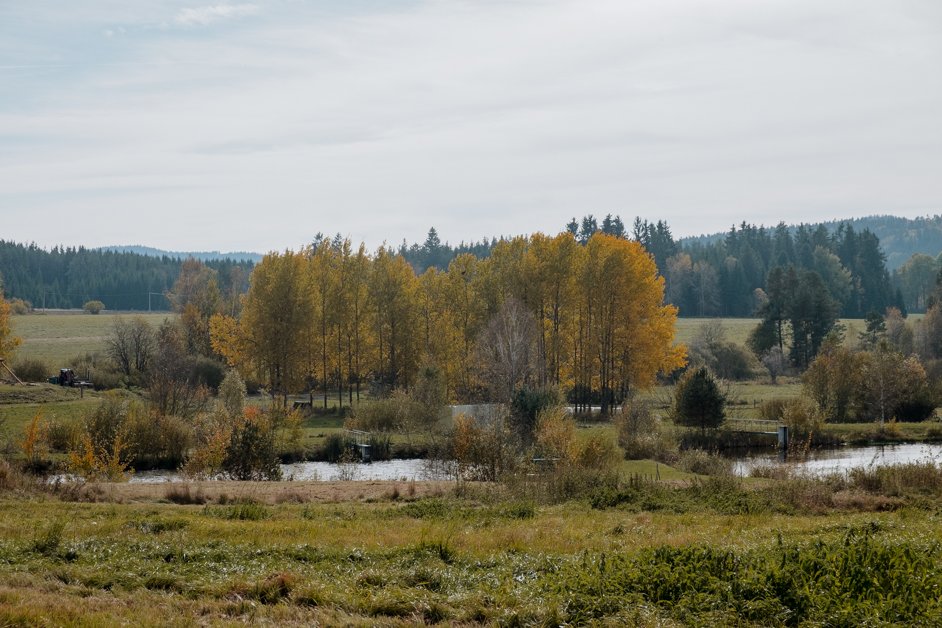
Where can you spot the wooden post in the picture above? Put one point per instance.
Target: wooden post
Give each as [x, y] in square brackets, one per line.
[10, 371]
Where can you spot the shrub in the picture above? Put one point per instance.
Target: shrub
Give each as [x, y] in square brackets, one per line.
[640, 434]
[555, 436]
[390, 414]
[802, 417]
[179, 493]
[107, 379]
[527, 404]
[208, 372]
[20, 307]
[62, 437]
[597, 453]
[704, 463]
[93, 307]
[31, 370]
[47, 541]
[250, 454]
[231, 394]
[480, 449]
[11, 478]
[35, 444]
[158, 441]
[772, 409]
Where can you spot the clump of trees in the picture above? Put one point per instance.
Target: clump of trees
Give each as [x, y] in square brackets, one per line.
[541, 311]
[876, 383]
[726, 359]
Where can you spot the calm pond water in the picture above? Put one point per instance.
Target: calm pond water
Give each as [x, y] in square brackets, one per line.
[825, 461]
[410, 469]
[819, 462]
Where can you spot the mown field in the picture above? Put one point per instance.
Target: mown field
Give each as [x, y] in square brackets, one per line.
[57, 338]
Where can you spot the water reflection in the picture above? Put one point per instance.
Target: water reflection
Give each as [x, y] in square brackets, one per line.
[826, 461]
[410, 469]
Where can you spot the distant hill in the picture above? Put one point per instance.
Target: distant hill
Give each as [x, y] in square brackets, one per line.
[203, 256]
[900, 238]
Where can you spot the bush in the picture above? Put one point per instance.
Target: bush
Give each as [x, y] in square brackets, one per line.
[31, 370]
[526, 406]
[20, 307]
[251, 454]
[106, 379]
[93, 307]
[640, 434]
[704, 463]
[62, 437]
[208, 372]
[597, 453]
[158, 442]
[390, 414]
[479, 449]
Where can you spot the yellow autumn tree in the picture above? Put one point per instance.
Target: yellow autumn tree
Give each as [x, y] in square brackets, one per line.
[631, 331]
[269, 338]
[8, 342]
[394, 312]
[551, 266]
[626, 331]
[195, 296]
[439, 331]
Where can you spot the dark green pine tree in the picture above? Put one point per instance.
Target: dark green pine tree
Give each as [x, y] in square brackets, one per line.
[698, 401]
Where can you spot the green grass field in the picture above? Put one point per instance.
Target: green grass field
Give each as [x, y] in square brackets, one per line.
[738, 329]
[674, 554]
[57, 338]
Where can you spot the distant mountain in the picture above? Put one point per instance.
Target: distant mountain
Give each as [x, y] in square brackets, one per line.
[900, 238]
[203, 256]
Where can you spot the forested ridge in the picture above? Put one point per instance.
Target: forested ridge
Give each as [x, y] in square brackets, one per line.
[65, 277]
[727, 274]
[867, 264]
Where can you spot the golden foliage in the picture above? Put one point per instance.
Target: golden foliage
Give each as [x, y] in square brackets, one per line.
[35, 441]
[101, 463]
[330, 318]
[8, 342]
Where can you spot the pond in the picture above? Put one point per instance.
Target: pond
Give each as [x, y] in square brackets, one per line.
[840, 460]
[408, 469]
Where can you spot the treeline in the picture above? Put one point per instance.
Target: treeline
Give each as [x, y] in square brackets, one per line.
[728, 276]
[66, 277]
[539, 312]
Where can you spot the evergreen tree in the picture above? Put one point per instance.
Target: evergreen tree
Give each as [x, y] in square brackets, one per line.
[698, 401]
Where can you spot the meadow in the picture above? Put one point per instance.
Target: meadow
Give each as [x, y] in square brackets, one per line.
[645, 545]
[710, 552]
[56, 338]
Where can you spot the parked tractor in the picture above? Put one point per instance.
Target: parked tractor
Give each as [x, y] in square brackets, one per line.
[67, 377]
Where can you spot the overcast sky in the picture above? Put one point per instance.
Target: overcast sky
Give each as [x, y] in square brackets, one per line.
[253, 126]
